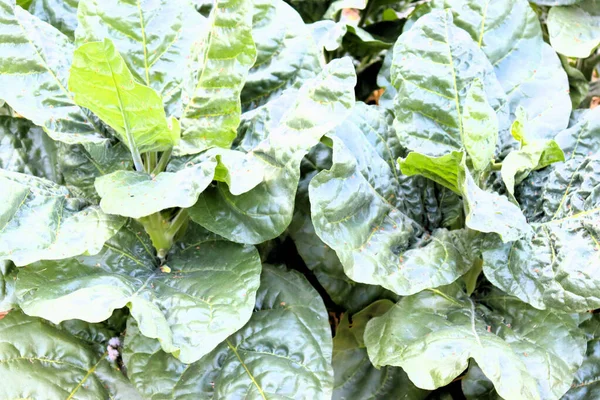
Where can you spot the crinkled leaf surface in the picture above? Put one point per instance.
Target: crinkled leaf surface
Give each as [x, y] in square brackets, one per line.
[102, 82]
[355, 376]
[34, 67]
[526, 353]
[575, 30]
[40, 360]
[586, 385]
[211, 101]
[284, 351]
[61, 14]
[375, 218]
[286, 56]
[207, 296]
[557, 266]
[434, 64]
[39, 220]
[279, 135]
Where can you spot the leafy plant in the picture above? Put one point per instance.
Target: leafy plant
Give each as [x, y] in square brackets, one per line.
[310, 200]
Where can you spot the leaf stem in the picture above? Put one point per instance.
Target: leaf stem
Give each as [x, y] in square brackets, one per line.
[177, 222]
[496, 166]
[365, 13]
[162, 232]
[162, 162]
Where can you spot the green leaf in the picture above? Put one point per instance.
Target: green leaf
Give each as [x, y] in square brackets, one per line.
[384, 81]
[285, 57]
[61, 14]
[207, 295]
[442, 170]
[526, 353]
[34, 67]
[434, 65]
[284, 351]
[28, 149]
[480, 127]
[139, 194]
[579, 85]
[40, 220]
[574, 29]
[278, 136]
[211, 112]
[8, 276]
[102, 82]
[476, 386]
[155, 38]
[50, 362]
[586, 385]
[490, 211]
[376, 219]
[310, 10]
[355, 376]
[556, 267]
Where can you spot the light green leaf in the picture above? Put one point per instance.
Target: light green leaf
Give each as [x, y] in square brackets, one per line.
[575, 30]
[155, 38]
[556, 267]
[490, 211]
[586, 385]
[139, 194]
[34, 68]
[211, 112]
[375, 218]
[526, 353]
[102, 82]
[40, 220]
[50, 362]
[61, 14]
[443, 169]
[285, 56]
[355, 376]
[207, 295]
[278, 136]
[434, 64]
[480, 127]
[284, 351]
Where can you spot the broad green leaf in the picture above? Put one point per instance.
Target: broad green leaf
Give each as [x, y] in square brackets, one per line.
[586, 385]
[26, 148]
[40, 220]
[443, 169]
[284, 351]
[526, 353]
[211, 101]
[279, 135]
[40, 360]
[575, 30]
[489, 211]
[476, 386]
[102, 82]
[8, 276]
[155, 38]
[285, 56]
[328, 34]
[355, 376]
[207, 295]
[61, 14]
[434, 64]
[556, 267]
[480, 127]
[34, 68]
[139, 194]
[376, 219]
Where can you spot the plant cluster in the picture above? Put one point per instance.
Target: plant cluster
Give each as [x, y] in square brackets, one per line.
[311, 199]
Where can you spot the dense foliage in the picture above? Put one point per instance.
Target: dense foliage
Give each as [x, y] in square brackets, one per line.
[311, 199]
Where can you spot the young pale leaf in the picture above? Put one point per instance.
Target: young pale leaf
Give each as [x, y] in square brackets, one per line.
[575, 30]
[284, 351]
[586, 384]
[34, 67]
[556, 267]
[433, 334]
[375, 218]
[294, 124]
[61, 14]
[355, 376]
[155, 39]
[434, 65]
[443, 169]
[139, 194]
[40, 220]
[50, 362]
[285, 56]
[207, 295]
[102, 82]
[211, 101]
[480, 127]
